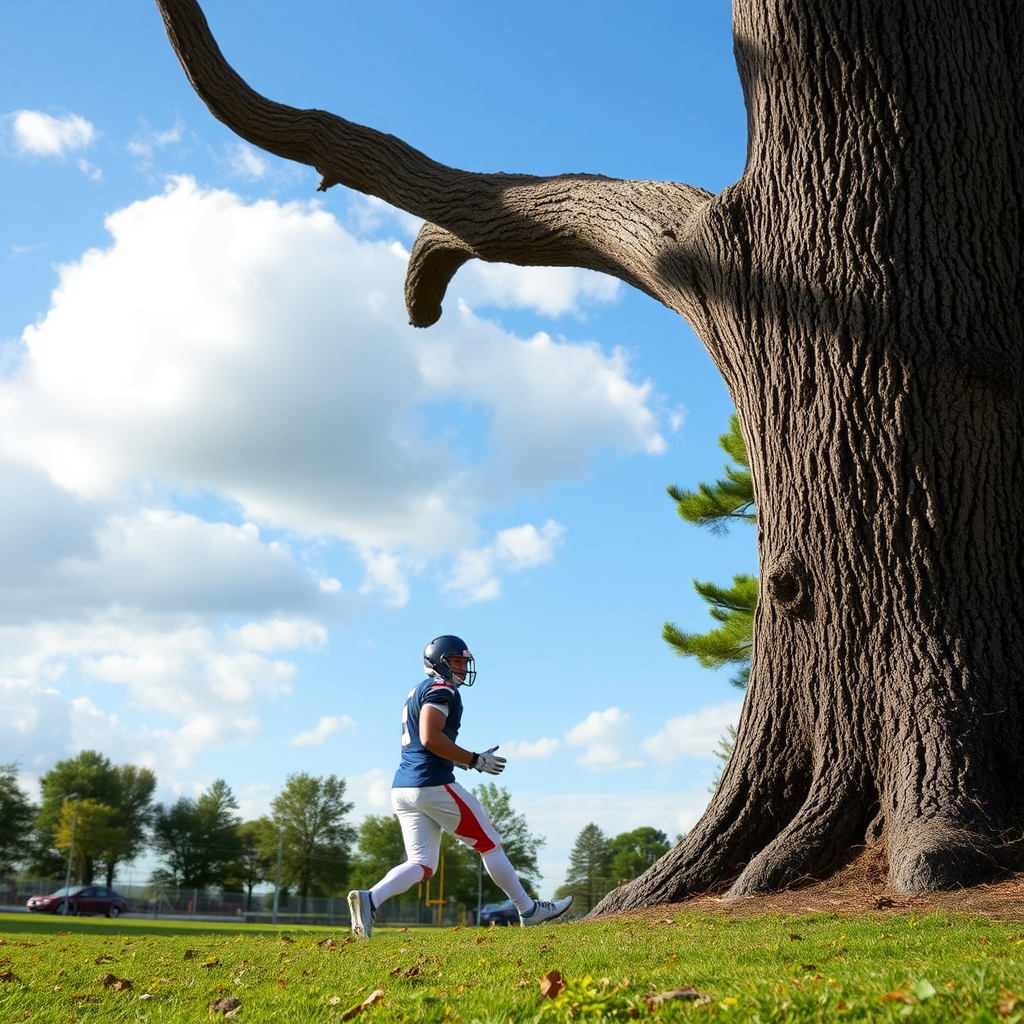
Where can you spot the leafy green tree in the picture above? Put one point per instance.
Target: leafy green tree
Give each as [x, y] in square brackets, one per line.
[589, 876]
[127, 789]
[16, 817]
[252, 865]
[91, 828]
[520, 844]
[632, 853]
[317, 838]
[198, 839]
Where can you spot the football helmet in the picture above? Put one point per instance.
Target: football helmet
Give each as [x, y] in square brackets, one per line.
[437, 653]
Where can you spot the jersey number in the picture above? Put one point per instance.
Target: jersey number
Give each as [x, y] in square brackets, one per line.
[406, 738]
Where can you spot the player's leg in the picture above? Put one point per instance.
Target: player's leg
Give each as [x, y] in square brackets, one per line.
[458, 812]
[422, 837]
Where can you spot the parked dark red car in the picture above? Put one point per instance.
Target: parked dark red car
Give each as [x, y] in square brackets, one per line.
[80, 899]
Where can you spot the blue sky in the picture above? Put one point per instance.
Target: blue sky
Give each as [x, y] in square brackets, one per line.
[241, 493]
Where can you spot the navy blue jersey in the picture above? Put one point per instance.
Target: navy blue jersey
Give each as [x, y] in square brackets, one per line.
[419, 767]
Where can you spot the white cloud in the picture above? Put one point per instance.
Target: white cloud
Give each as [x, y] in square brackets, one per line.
[195, 688]
[474, 574]
[261, 352]
[149, 139]
[535, 751]
[385, 575]
[370, 793]
[39, 134]
[327, 726]
[245, 162]
[91, 171]
[609, 737]
[551, 291]
[693, 735]
[65, 559]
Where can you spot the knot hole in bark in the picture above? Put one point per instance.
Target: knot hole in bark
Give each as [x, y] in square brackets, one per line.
[789, 585]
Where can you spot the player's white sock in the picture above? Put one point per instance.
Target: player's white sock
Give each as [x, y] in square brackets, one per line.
[500, 869]
[396, 881]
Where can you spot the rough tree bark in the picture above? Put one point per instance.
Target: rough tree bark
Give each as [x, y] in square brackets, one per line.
[861, 290]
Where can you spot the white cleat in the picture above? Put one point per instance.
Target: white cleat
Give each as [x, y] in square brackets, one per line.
[545, 910]
[360, 907]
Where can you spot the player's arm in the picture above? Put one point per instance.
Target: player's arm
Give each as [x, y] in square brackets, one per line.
[432, 720]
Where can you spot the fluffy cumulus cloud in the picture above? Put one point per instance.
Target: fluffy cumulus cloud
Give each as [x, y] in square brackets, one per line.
[37, 134]
[196, 688]
[259, 353]
[325, 728]
[475, 575]
[262, 352]
[609, 739]
[532, 751]
[693, 735]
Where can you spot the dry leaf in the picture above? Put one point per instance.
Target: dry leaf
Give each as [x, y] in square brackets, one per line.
[410, 973]
[211, 962]
[883, 901]
[666, 920]
[327, 944]
[897, 997]
[122, 985]
[147, 995]
[1007, 1002]
[8, 976]
[106, 958]
[404, 929]
[654, 999]
[551, 984]
[372, 998]
[188, 954]
[106, 980]
[793, 937]
[58, 935]
[229, 1006]
[285, 939]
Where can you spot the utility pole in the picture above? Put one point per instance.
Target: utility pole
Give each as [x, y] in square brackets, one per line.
[71, 852]
[277, 882]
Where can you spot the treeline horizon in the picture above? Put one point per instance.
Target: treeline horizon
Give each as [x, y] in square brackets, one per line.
[104, 816]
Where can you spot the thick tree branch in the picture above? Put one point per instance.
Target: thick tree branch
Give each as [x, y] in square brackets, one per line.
[629, 229]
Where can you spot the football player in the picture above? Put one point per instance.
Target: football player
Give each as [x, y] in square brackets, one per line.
[427, 799]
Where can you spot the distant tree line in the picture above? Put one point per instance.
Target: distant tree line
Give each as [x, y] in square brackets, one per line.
[202, 843]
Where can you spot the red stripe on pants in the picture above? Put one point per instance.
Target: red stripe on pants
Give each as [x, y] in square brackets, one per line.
[469, 827]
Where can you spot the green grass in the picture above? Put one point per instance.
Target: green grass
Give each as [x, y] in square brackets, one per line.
[814, 968]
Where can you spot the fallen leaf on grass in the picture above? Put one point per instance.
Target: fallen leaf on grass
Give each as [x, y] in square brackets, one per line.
[551, 984]
[8, 976]
[287, 939]
[122, 985]
[189, 954]
[666, 920]
[404, 929]
[1007, 1003]
[280, 982]
[210, 962]
[897, 997]
[327, 944]
[106, 980]
[59, 934]
[106, 958]
[793, 937]
[409, 973]
[374, 997]
[229, 1006]
[655, 999]
[147, 995]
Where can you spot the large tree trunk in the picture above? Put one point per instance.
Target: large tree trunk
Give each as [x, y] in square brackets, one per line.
[867, 317]
[861, 289]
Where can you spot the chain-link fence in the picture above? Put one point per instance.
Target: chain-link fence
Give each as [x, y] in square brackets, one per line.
[199, 904]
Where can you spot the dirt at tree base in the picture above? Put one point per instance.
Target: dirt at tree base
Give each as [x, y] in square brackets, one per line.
[858, 886]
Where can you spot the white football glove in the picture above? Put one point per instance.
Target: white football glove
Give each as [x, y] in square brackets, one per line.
[489, 762]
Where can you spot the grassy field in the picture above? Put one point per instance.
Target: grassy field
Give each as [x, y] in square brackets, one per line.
[819, 968]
